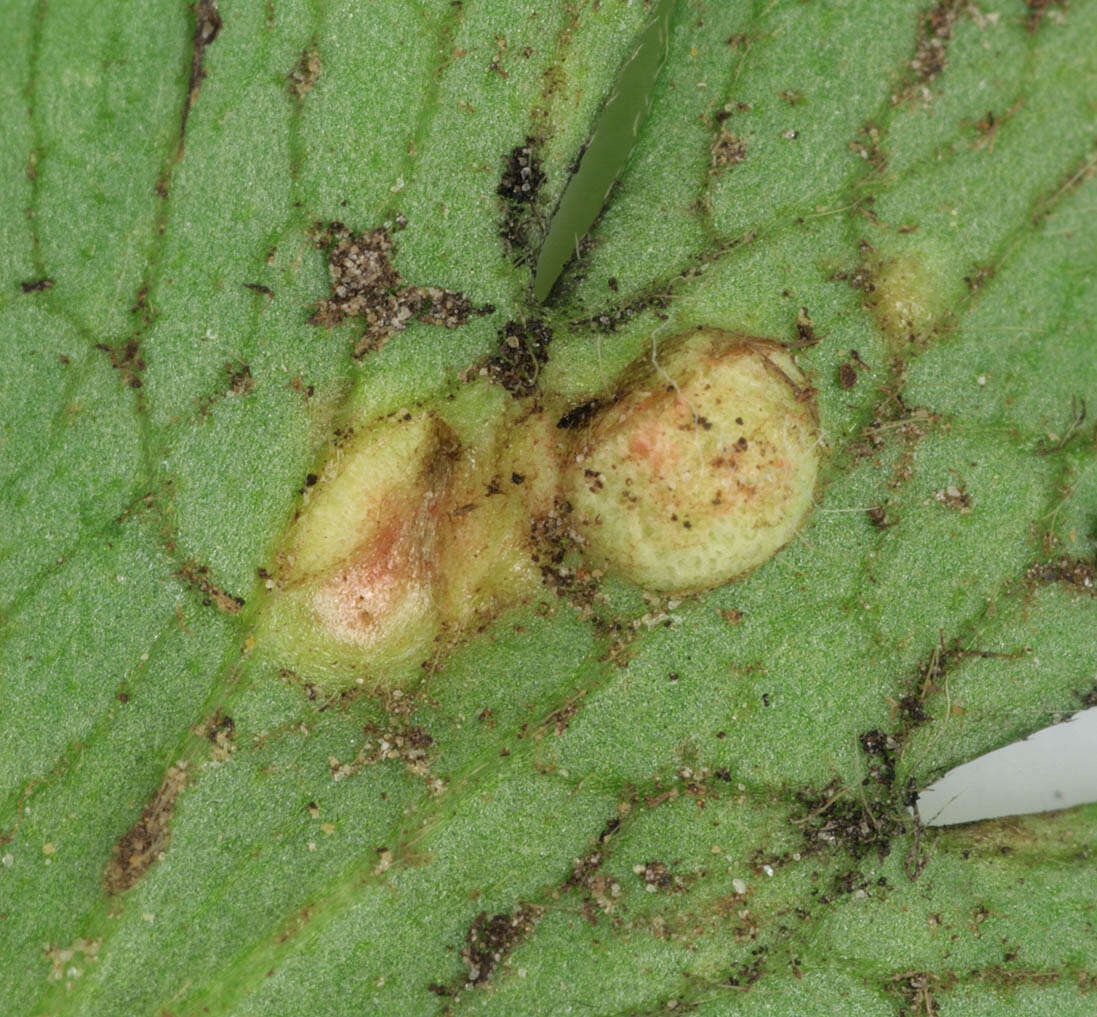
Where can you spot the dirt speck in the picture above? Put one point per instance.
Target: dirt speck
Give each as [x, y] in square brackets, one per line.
[410, 744]
[894, 423]
[305, 73]
[239, 375]
[519, 186]
[1076, 573]
[197, 577]
[365, 284]
[219, 730]
[489, 940]
[207, 26]
[127, 360]
[1040, 9]
[522, 352]
[726, 150]
[146, 841]
[62, 959]
[955, 497]
[931, 54]
[916, 989]
[878, 517]
[868, 144]
[806, 335]
[579, 415]
[657, 876]
[835, 818]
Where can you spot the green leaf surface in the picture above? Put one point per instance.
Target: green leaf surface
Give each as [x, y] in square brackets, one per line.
[695, 805]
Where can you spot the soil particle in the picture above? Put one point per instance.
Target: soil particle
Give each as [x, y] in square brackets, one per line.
[601, 892]
[1039, 9]
[657, 876]
[580, 415]
[552, 539]
[954, 497]
[893, 422]
[560, 719]
[931, 55]
[147, 840]
[207, 26]
[220, 731]
[410, 744]
[1077, 573]
[523, 351]
[522, 176]
[746, 974]
[365, 284]
[198, 578]
[862, 824]
[726, 150]
[869, 146]
[239, 375]
[880, 747]
[805, 331]
[489, 940]
[519, 186]
[305, 73]
[878, 517]
[916, 988]
[609, 319]
[126, 360]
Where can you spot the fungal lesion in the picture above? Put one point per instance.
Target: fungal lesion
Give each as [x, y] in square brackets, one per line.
[422, 526]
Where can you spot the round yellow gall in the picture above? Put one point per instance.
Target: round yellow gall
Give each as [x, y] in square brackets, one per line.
[413, 533]
[703, 468]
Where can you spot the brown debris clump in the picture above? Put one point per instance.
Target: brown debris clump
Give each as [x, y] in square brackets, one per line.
[207, 26]
[490, 940]
[916, 988]
[522, 175]
[931, 56]
[220, 731]
[1037, 11]
[365, 284]
[411, 745]
[523, 351]
[304, 75]
[198, 577]
[520, 184]
[832, 819]
[126, 360]
[895, 424]
[147, 840]
[657, 876]
[954, 497]
[727, 149]
[1078, 573]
